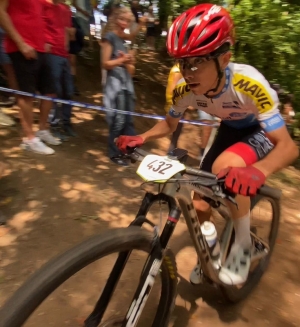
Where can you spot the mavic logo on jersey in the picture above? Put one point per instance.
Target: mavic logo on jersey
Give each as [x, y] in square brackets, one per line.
[213, 10]
[180, 91]
[255, 90]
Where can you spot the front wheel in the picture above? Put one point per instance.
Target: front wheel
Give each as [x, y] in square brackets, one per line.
[265, 229]
[16, 311]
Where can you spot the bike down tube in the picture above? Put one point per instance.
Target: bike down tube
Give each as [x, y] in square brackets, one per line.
[190, 215]
[151, 269]
[95, 317]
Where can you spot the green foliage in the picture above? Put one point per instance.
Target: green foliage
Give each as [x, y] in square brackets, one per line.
[268, 36]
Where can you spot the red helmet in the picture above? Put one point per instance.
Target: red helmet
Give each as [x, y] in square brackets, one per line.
[200, 31]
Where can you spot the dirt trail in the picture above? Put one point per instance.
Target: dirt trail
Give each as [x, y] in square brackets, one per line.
[56, 202]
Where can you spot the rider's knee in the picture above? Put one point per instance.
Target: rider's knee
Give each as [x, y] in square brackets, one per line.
[200, 205]
[227, 159]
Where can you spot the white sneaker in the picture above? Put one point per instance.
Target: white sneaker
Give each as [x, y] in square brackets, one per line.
[196, 276]
[47, 137]
[37, 146]
[5, 120]
[236, 268]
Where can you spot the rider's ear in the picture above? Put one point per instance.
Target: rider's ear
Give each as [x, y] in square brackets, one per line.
[225, 59]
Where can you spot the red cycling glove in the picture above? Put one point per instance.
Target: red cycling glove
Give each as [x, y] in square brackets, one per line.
[125, 141]
[242, 180]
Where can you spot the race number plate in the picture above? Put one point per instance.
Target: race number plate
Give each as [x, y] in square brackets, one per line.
[158, 168]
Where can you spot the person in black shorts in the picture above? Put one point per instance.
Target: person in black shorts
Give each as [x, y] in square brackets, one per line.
[26, 46]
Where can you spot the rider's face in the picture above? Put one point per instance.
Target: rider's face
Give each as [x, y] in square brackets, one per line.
[201, 74]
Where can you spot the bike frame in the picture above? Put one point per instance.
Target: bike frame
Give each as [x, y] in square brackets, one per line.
[171, 192]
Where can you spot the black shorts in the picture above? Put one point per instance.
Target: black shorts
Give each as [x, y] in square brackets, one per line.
[34, 74]
[250, 143]
[151, 31]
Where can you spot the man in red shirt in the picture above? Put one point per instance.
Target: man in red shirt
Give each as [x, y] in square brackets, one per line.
[58, 24]
[23, 23]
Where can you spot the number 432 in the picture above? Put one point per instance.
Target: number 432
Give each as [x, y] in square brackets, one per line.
[159, 166]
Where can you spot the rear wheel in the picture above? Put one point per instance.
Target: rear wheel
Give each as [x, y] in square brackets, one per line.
[16, 311]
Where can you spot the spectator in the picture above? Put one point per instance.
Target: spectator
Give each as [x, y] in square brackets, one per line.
[151, 28]
[118, 89]
[288, 113]
[75, 46]
[8, 80]
[23, 22]
[84, 11]
[58, 21]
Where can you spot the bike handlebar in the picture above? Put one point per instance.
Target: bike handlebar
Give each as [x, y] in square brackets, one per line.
[139, 154]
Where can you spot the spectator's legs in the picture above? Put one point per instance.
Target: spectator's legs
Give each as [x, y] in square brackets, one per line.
[72, 60]
[26, 107]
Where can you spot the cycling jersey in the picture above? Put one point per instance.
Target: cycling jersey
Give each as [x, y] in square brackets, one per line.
[246, 100]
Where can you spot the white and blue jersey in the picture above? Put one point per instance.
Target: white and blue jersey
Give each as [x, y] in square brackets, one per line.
[246, 100]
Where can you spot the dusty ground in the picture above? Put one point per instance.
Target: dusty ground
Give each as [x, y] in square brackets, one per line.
[56, 202]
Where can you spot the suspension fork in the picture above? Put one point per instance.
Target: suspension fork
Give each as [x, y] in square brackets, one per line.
[159, 243]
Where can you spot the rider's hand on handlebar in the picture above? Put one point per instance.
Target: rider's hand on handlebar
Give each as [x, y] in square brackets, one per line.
[124, 142]
[242, 180]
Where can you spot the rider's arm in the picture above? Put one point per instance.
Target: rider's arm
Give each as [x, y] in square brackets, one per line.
[285, 151]
[181, 101]
[8, 26]
[161, 129]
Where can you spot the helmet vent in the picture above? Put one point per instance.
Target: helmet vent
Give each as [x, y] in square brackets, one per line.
[209, 39]
[192, 25]
[215, 19]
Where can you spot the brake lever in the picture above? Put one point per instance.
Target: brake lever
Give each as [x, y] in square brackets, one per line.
[221, 192]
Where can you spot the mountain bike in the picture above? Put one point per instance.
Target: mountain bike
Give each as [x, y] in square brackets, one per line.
[176, 182]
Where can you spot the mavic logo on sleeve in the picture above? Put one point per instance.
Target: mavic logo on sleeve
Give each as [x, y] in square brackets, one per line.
[180, 91]
[255, 90]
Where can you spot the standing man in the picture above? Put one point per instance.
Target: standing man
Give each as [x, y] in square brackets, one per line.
[84, 11]
[23, 23]
[58, 22]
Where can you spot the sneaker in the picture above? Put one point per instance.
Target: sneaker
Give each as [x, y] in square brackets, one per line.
[5, 120]
[196, 275]
[47, 137]
[236, 268]
[37, 146]
[69, 130]
[119, 160]
[57, 132]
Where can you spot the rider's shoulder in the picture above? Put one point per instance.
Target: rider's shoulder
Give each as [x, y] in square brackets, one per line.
[246, 77]
[181, 91]
[251, 84]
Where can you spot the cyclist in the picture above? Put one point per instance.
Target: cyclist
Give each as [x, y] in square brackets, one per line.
[252, 141]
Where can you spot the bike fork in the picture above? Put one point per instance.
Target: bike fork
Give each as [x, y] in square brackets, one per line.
[95, 317]
[150, 270]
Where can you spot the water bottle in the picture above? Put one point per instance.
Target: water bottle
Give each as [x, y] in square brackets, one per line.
[209, 231]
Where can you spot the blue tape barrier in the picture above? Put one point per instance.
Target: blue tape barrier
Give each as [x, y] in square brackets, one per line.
[90, 106]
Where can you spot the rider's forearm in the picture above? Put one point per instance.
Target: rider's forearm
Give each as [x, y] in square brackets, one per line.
[280, 157]
[161, 129]
[9, 28]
